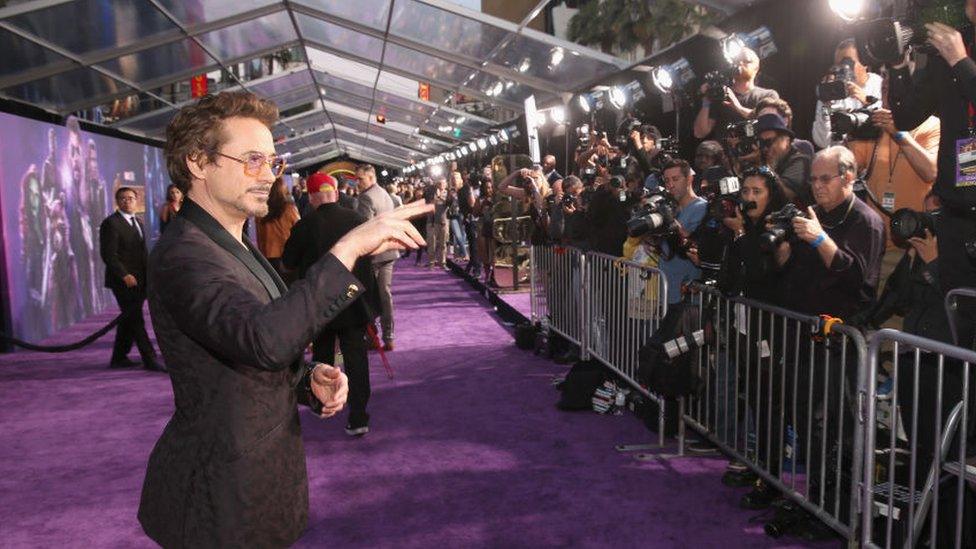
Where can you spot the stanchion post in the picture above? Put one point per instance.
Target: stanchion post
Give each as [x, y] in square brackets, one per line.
[585, 298]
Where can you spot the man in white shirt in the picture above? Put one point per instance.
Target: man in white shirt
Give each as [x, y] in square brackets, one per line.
[863, 91]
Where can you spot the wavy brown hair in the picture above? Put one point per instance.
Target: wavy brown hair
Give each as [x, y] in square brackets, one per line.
[277, 202]
[195, 133]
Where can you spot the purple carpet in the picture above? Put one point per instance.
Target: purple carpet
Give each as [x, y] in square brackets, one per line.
[521, 302]
[467, 450]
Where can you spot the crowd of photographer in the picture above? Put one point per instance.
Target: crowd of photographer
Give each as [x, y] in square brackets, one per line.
[882, 203]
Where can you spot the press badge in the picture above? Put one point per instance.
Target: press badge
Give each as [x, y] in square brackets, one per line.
[888, 201]
[966, 162]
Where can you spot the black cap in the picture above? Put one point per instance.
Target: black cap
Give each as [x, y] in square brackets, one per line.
[772, 122]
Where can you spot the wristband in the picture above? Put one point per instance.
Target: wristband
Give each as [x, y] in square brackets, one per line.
[900, 136]
[819, 240]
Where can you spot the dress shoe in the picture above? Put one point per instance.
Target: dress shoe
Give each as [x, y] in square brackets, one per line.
[388, 346]
[153, 366]
[124, 363]
[761, 497]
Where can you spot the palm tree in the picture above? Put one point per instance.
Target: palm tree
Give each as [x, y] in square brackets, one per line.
[625, 24]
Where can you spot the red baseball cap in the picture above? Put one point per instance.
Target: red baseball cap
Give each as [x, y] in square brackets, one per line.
[320, 182]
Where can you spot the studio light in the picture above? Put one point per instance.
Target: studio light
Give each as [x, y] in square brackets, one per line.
[585, 103]
[384, 173]
[525, 65]
[732, 47]
[436, 170]
[540, 119]
[670, 78]
[497, 89]
[482, 143]
[493, 140]
[556, 57]
[558, 115]
[503, 135]
[848, 10]
[617, 97]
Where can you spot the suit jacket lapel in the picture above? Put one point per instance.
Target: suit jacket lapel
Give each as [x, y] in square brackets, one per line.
[259, 268]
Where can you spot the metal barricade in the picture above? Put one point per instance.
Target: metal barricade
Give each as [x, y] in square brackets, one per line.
[557, 290]
[916, 470]
[778, 392]
[624, 303]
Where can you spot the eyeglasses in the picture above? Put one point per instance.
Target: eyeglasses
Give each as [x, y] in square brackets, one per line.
[254, 161]
[823, 179]
[766, 143]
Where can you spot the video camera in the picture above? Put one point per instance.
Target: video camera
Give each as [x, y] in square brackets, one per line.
[884, 41]
[836, 89]
[780, 227]
[715, 84]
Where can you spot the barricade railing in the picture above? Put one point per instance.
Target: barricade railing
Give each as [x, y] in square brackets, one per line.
[915, 470]
[606, 305]
[556, 290]
[624, 303]
[778, 392]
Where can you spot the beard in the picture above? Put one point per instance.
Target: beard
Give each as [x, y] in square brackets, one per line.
[251, 204]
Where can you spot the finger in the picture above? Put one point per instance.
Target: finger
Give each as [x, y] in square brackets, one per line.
[811, 213]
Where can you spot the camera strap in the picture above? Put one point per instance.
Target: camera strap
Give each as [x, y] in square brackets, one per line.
[861, 185]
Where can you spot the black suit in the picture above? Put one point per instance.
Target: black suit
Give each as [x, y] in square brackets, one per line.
[123, 250]
[311, 238]
[229, 469]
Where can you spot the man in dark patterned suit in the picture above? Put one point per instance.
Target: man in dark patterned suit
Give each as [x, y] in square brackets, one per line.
[229, 469]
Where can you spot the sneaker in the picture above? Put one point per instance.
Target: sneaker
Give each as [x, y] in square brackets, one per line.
[736, 466]
[701, 448]
[357, 431]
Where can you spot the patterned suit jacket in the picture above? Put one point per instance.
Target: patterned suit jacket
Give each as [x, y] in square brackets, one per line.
[229, 468]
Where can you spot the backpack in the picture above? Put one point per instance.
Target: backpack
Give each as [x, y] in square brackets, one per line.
[667, 363]
[580, 385]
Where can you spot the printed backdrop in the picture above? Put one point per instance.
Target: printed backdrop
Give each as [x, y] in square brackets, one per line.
[56, 186]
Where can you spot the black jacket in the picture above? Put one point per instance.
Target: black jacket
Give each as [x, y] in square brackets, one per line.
[607, 217]
[123, 250]
[913, 291]
[312, 237]
[229, 468]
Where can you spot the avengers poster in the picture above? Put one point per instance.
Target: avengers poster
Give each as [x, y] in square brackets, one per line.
[57, 184]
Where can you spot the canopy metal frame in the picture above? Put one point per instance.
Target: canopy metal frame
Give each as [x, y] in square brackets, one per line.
[391, 143]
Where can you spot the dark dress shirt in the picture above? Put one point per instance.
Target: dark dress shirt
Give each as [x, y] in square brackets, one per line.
[850, 283]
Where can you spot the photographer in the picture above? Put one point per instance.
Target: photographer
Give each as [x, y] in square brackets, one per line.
[900, 167]
[833, 263]
[530, 186]
[748, 271]
[946, 86]
[859, 86]
[645, 151]
[776, 105]
[606, 216]
[691, 211]
[549, 169]
[913, 288]
[708, 154]
[740, 99]
[781, 154]
[574, 213]
[467, 198]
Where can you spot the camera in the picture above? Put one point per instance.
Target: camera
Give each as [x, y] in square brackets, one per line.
[836, 89]
[884, 41]
[780, 227]
[655, 216]
[853, 124]
[721, 192]
[622, 138]
[715, 84]
[588, 176]
[907, 223]
[745, 135]
[569, 201]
